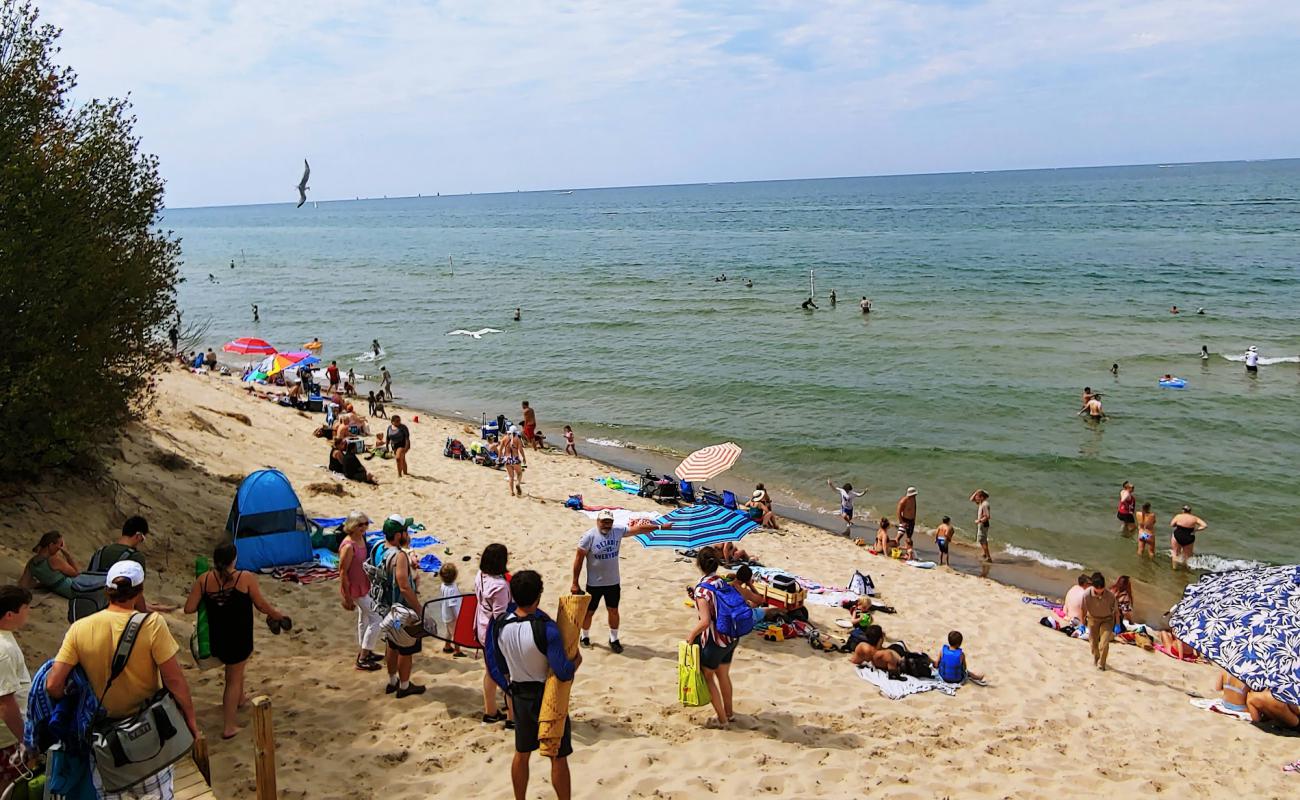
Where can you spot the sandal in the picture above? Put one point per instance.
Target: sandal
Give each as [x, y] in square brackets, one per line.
[492, 719]
[367, 666]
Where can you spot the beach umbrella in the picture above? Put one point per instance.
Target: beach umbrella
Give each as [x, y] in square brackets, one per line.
[283, 361]
[708, 462]
[697, 526]
[1248, 622]
[249, 346]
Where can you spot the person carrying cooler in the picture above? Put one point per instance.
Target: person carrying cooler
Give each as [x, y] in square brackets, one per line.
[522, 647]
[598, 549]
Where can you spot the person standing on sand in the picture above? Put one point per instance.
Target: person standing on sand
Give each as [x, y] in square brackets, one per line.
[519, 667]
[1185, 527]
[174, 335]
[398, 578]
[943, 536]
[1101, 610]
[530, 424]
[15, 680]
[354, 586]
[1146, 520]
[982, 517]
[598, 549]
[230, 595]
[385, 383]
[510, 450]
[716, 649]
[847, 496]
[907, 516]
[398, 437]
[1126, 513]
[492, 593]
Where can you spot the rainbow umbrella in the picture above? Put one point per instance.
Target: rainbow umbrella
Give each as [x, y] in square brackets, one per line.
[249, 346]
[283, 361]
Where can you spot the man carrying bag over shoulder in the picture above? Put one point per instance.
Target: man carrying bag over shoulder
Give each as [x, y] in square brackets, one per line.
[146, 720]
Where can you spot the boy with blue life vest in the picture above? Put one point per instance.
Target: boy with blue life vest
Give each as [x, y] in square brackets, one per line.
[521, 648]
[951, 663]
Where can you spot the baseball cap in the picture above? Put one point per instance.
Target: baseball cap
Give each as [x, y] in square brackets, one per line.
[911, 491]
[605, 515]
[396, 524]
[131, 570]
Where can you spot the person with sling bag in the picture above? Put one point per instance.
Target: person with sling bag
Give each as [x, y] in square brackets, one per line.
[146, 719]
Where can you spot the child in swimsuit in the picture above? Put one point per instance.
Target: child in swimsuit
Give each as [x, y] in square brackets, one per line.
[568, 441]
[1146, 520]
[942, 536]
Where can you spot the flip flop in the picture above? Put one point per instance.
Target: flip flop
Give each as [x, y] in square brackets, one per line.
[273, 625]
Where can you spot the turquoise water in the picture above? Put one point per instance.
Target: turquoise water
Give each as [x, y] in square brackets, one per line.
[998, 297]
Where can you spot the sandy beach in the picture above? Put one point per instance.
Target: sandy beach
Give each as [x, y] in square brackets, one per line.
[807, 725]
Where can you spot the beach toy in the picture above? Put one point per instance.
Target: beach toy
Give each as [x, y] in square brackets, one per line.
[1173, 383]
[314, 345]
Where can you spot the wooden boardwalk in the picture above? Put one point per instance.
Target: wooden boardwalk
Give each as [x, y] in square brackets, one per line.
[188, 783]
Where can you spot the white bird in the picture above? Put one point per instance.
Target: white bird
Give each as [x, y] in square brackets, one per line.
[476, 334]
[302, 184]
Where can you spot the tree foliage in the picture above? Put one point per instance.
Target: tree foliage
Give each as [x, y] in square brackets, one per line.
[86, 277]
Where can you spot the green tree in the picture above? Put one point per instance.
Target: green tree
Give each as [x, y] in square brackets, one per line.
[87, 279]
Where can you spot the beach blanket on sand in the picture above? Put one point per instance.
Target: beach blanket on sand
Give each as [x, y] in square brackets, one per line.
[630, 486]
[832, 599]
[555, 697]
[1042, 602]
[305, 573]
[907, 685]
[1215, 704]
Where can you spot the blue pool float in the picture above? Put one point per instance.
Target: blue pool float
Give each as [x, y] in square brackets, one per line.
[1174, 383]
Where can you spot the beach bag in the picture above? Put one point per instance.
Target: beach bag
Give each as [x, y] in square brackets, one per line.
[692, 690]
[574, 502]
[733, 616]
[401, 626]
[861, 584]
[88, 595]
[918, 665]
[131, 749]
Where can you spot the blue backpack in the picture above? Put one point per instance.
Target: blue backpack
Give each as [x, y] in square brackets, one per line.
[734, 618]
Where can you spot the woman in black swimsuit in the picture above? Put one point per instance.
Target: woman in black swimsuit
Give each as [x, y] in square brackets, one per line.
[229, 596]
[1185, 526]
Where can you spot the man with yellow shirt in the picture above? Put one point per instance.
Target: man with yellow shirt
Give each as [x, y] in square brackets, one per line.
[90, 643]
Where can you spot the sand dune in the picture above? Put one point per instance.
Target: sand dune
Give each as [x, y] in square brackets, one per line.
[1046, 725]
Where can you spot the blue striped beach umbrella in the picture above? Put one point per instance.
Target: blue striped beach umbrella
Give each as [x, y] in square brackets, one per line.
[697, 526]
[1248, 622]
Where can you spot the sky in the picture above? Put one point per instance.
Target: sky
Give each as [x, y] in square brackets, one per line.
[399, 97]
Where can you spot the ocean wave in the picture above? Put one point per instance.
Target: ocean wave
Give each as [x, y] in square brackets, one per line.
[606, 442]
[1045, 560]
[1213, 563]
[1264, 362]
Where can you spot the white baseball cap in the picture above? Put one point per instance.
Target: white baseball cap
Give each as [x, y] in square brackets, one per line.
[911, 491]
[131, 570]
[605, 515]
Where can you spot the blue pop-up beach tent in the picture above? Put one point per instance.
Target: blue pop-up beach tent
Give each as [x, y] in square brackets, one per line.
[267, 522]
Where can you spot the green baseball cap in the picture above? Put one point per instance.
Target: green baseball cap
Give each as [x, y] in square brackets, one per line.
[395, 524]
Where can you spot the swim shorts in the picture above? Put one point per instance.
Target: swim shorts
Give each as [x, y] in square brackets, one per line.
[905, 528]
[611, 594]
[526, 702]
[943, 545]
[1126, 518]
[1146, 536]
[846, 511]
[983, 534]
[1251, 369]
[529, 430]
[714, 655]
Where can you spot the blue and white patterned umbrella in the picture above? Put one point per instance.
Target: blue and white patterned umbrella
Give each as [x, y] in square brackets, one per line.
[697, 526]
[1248, 622]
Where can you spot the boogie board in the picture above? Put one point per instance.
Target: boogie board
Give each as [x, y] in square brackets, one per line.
[461, 631]
[1173, 383]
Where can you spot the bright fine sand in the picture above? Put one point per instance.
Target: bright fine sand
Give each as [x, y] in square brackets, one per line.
[1048, 723]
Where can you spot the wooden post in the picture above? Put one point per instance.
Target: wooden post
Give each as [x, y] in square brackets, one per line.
[264, 748]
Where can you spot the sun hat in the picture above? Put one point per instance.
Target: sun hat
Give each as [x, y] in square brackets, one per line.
[605, 515]
[758, 494]
[514, 429]
[911, 491]
[131, 570]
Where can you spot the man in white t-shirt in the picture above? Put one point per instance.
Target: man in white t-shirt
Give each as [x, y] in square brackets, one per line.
[15, 681]
[598, 549]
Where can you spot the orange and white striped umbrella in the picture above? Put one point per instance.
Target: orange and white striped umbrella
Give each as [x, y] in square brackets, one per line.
[708, 462]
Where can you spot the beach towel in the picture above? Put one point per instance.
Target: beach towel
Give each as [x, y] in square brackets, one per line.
[906, 685]
[632, 486]
[1042, 602]
[1216, 705]
[1190, 659]
[326, 557]
[832, 599]
[305, 573]
[555, 696]
[430, 563]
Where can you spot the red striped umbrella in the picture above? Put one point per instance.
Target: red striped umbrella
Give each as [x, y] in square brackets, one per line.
[708, 462]
[248, 346]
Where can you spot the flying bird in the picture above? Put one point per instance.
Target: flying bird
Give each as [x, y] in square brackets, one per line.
[476, 334]
[302, 184]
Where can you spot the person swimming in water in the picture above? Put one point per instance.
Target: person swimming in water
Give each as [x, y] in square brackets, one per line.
[1174, 310]
[865, 305]
[1252, 360]
[749, 284]
[1205, 353]
[832, 298]
[517, 312]
[374, 347]
[808, 304]
[1114, 370]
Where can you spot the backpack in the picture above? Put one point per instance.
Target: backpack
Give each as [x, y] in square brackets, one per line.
[88, 595]
[733, 616]
[918, 665]
[492, 647]
[454, 448]
[383, 587]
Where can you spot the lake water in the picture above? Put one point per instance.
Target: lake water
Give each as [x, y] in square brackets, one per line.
[997, 298]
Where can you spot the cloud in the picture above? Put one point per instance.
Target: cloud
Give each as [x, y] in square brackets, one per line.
[405, 96]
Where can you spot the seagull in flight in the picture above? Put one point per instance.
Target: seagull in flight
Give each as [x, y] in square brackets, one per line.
[476, 334]
[302, 184]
